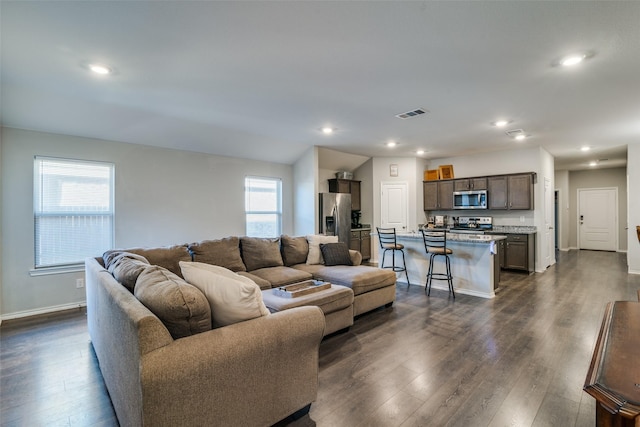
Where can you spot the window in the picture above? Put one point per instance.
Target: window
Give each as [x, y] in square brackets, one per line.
[263, 206]
[73, 210]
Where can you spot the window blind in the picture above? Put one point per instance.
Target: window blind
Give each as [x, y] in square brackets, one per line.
[73, 210]
[263, 206]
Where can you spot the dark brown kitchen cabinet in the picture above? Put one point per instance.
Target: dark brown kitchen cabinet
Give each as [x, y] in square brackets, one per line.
[510, 191]
[437, 195]
[519, 252]
[361, 241]
[347, 186]
[467, 184]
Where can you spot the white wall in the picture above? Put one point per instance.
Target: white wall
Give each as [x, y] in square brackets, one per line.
[364, 174]
[305, 199]
[562, 186]
[162, 197]
[633, 177]
[2, 181]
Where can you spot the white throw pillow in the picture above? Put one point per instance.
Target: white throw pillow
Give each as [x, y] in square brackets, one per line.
[233, 298]
[315, 256]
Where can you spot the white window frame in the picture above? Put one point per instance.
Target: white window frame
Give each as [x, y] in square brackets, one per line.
[277, 212]
[39, 211]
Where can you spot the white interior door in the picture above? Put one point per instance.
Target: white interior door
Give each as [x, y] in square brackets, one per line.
[549, 243]
[395, 205]
[598, 219]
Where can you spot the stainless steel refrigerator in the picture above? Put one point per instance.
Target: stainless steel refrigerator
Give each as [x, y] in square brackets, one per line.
[335, 215]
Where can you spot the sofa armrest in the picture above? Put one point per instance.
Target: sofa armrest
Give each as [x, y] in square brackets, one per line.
[268, 364]
[356, 257]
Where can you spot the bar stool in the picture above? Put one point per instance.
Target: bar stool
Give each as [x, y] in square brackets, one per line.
[435, 243]
[387, 239]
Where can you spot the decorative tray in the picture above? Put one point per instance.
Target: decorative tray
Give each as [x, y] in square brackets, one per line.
[300, 289]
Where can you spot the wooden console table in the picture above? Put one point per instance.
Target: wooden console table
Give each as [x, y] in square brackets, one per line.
[614, 375]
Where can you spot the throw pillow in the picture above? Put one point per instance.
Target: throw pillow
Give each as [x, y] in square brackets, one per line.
[315, 256]
[335, 253]
[232, 298]
[125, 267]
[167, 257]
[224, 252]
[261, 252]
[294, 250]
[182, 308]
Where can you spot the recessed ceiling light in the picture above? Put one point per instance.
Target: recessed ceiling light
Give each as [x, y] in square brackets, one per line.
[520, 137]
[327, 130]
[391, 144]
[585, 148]
[593, 163]
[100, 69]
[420, 152]
[500, 123]
[572, 60]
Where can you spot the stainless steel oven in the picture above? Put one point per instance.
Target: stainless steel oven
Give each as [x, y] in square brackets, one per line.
[474, 199]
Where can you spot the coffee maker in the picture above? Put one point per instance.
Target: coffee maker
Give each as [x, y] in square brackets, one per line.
[355, 219]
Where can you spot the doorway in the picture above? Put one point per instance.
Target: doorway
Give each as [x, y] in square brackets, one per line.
[598, 219]
[394, 205]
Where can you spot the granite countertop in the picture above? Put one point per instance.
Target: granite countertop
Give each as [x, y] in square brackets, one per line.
[514, 229]
[456, 237]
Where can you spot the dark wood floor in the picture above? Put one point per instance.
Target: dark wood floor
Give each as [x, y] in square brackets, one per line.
[517, 360]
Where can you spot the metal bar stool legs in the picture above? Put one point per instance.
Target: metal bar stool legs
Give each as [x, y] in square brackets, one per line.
[435, 244]
[387, 238]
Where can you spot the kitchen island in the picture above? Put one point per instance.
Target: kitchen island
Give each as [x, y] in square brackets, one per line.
[475, 263]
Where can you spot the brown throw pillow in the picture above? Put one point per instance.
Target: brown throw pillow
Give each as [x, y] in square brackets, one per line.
[294, 250]
[224, 252]
[335, 253]
[168, 257]
[181, 307]
[261, 252]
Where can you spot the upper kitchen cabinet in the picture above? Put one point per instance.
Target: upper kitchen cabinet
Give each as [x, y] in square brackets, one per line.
[511, 191]
[347, 186]
[438, 195]
[467, 184]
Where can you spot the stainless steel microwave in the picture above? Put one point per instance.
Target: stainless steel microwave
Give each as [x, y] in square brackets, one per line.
[474, 199]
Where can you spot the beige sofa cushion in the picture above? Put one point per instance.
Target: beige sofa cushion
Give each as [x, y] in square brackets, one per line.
[261, 252]
[182, 308]
[294, 250]
[360, 278]
[232, 298]
[315, 256]
[280, 276]
[125, 267]
[223, 252]
[262, 283]
[167, 257]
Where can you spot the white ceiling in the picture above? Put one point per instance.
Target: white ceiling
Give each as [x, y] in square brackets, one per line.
[258, 79]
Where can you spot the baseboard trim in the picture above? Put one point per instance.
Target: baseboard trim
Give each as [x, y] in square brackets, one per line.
[457, 290]
[633, 271]
[45, 310]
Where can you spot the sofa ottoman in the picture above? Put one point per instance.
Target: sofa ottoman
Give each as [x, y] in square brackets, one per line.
[336, 303]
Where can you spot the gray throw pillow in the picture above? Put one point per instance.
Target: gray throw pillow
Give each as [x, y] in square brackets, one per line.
[335, 253]
[181, 307]
[168, 257]
[261, 252]
[224, 253]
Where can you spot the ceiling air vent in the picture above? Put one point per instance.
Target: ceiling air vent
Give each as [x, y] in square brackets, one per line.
[413, 113]
[515, 132]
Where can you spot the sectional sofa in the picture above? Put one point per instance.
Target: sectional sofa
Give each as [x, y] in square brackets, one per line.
[164, 364]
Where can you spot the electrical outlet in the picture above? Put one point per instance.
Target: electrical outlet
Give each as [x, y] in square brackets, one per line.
[522, 219]
[79, 283]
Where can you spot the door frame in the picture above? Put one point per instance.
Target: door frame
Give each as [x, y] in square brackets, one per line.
[616, 215]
